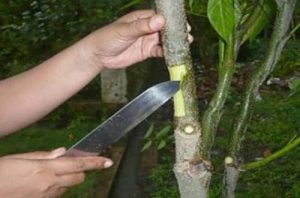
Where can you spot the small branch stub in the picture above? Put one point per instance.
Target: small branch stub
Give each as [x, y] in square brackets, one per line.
[188, 129]
[229, 160]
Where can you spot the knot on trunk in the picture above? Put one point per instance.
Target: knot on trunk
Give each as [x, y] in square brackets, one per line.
[199, 168]
[194, 168]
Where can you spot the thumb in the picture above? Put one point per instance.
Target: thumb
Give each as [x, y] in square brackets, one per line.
[39, 154]
[141, 27]
[57, 152]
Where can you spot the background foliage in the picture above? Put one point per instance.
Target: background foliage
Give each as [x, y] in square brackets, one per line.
[32, 31]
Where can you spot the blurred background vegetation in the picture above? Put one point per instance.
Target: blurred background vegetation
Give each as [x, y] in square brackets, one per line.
[32, 31]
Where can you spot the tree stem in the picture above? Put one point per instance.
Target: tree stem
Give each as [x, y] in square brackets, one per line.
[213, 113]
[192, 173]
[278, 40]
[272, 157]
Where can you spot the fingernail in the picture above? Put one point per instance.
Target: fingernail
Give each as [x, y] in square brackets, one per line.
[190, 38]
[189, 28]
[156, 22]
[108, 164]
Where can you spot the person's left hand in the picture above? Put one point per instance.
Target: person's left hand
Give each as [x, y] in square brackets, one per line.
[44, 174]
[131, 39]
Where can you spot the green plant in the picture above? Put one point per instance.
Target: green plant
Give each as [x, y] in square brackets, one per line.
[161, 139]
[294, 85]
[162, 182]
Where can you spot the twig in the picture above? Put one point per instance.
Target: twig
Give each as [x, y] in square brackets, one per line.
[272, 157]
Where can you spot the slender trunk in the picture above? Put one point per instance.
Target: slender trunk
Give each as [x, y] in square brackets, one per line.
[192, 173]
[212, 115]
[278, 40]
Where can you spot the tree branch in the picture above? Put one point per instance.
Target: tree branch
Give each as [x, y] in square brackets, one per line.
[272, 157]
[276, 44]
[212, 115]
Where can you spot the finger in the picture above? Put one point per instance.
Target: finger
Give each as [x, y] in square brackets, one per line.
[61, 191]
[71, 165]
[133, 16]
[157, 51]
[70, 179]
[188, 26]
[190, 38]
[39, 154]
[142, 27]
[55, 192]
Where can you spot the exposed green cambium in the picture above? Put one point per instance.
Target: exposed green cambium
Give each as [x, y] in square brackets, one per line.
[178, 72]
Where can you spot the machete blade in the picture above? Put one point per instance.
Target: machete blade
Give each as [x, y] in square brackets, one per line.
[115, 127]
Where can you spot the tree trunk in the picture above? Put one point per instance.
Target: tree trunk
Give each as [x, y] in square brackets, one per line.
[278, 40]
[192, 173]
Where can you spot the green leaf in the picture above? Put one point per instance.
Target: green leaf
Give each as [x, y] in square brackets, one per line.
[130, 4]
[149, 131]
[161, 145]
[191, 2]
[147, 145]
[163, 132]
[221, 15]
[258, 18]
[237, 13]
[294, 83]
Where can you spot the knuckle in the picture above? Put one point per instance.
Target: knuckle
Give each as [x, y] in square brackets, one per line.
[45, 179]
[45, 185]
[96, 162]
[80, 165]
[77, 179]
[122, 33]
[39, 169]
[135, 26]
[140, 26]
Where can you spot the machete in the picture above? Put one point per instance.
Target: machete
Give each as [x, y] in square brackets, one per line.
[115, 127]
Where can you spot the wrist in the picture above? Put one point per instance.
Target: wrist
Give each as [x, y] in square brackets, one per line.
[86, 52]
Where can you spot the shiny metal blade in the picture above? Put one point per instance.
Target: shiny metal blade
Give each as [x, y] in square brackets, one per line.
[124, 120]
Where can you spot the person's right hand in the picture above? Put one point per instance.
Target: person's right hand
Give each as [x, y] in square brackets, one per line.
[44, 174]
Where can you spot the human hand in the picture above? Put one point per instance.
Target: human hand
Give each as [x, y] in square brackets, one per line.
[44, 174]
[132, 38]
